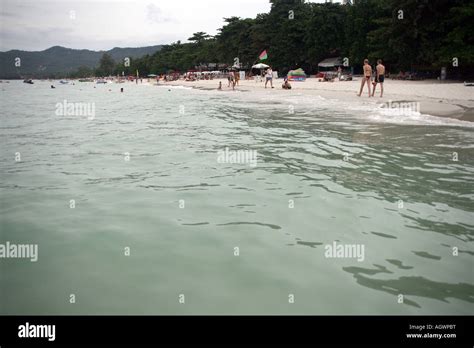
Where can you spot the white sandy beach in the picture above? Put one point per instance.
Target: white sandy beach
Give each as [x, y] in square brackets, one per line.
[445, 99]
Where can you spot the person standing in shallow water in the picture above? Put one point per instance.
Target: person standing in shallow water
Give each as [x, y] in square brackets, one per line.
[379, 77]
[366, 77]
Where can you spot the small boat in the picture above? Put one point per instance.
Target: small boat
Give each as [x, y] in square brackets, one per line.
[100, 81]
[64, 82]
[30, 81]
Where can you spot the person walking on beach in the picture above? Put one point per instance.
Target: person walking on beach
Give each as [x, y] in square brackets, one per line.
[366, 78]
[269, 77]
[379, 77]
[230, 78]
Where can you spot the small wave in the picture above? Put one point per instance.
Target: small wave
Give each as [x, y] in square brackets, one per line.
[370, 111]
[415, 118]
[173, 87]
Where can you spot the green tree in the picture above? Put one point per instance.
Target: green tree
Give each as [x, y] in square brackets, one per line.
[459, 41]
[199, 37]
[82, 71]
[106, 65]
[423, 36]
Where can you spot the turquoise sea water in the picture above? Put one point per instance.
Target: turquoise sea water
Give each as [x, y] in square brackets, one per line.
[144, 174]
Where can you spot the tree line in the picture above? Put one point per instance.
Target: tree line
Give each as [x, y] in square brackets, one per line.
[409, 35]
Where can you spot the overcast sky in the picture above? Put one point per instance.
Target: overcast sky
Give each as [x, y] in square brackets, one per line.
[104, 24]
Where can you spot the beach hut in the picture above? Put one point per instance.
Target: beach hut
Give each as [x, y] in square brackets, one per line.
[297, 75]
[328, 70]
[330, 64]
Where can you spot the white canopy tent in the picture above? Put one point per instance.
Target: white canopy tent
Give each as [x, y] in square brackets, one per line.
[260, 66]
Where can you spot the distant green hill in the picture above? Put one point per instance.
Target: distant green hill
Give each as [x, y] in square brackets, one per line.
[59, 61]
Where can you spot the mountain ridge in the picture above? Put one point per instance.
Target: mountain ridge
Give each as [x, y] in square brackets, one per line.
[59, 61]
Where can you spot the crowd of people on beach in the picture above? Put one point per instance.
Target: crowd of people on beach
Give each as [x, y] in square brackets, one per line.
[370, 77]
[233, 78]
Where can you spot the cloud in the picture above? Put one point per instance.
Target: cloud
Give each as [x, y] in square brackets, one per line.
[9, 14]
[155, 15]
[41, 24]
[34, 38]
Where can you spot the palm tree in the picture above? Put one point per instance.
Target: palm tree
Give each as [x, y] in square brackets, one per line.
[199, 37]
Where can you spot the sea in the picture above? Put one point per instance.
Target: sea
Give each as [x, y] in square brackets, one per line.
[173, 200]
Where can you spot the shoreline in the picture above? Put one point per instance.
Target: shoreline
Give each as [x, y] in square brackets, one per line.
[448, 100]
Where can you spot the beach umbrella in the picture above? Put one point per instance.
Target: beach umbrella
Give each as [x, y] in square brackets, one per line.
[260, 66]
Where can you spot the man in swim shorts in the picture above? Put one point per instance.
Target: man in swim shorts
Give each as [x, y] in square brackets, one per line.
[379, 77]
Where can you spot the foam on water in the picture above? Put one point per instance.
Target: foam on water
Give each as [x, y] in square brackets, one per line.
[172, 87]
[369, 111]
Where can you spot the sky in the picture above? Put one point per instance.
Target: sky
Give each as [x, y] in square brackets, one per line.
[104, 24]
